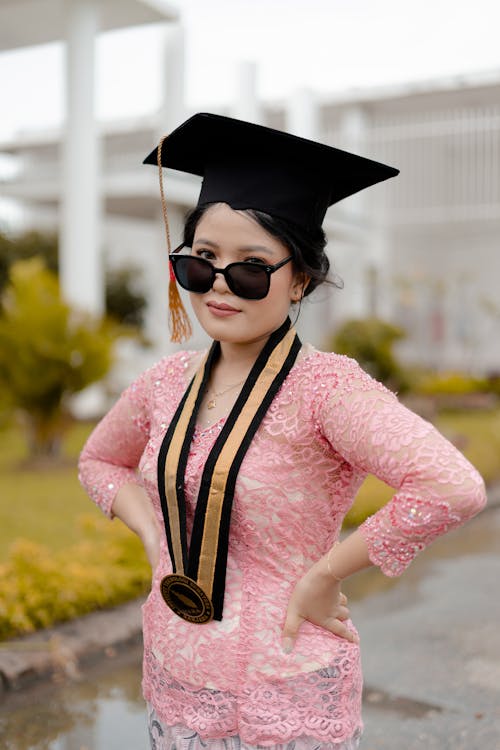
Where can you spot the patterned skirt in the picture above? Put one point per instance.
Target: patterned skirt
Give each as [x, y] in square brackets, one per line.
[181, 738]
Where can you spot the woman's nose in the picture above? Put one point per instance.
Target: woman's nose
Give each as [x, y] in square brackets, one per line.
[220, 284]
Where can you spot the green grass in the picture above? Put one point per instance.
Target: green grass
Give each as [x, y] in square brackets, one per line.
[43, 506]
[477, 434]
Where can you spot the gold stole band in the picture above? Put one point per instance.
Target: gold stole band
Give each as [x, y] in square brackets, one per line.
[195, 591]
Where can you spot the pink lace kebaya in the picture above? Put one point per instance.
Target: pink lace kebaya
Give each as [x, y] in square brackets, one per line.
[329, 426]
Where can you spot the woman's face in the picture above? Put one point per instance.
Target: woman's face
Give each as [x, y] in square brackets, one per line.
[226, 236]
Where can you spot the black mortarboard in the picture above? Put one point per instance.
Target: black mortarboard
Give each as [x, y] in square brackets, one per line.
[251, 166]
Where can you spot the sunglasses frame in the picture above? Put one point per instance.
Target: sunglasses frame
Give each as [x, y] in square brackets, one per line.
[269, 269]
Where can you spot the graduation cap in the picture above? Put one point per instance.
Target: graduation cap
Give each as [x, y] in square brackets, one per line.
[250, 166]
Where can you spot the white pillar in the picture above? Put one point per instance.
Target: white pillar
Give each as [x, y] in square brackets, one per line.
[80, 256]
[301, 118]
[171, 114]
[302, 114]
[172, 106]
[246, 104]
[375, 291]
[353, 138]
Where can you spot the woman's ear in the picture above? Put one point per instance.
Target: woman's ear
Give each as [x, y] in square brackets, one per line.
[299, 287]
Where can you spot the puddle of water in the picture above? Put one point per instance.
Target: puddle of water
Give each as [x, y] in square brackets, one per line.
[404, 707]
[103, 711]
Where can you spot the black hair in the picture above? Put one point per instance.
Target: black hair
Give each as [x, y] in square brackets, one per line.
[306, 247]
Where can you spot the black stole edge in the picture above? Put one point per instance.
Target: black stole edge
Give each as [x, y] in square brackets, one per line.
[181, 470]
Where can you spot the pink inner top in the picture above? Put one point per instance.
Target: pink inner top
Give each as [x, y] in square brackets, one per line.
[329, 426]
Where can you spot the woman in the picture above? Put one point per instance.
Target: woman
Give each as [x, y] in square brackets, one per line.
[236, 466]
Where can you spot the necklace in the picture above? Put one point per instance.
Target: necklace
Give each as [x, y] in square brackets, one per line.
[212, 402]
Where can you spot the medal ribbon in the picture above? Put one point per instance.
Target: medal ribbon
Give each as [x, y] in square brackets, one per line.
[206, 562]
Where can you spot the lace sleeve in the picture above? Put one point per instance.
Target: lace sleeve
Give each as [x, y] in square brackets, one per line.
[111, 454]
[437, 488]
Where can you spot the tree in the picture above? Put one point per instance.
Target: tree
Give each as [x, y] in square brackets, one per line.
[125, 300]
[370, 341]
[48, 352]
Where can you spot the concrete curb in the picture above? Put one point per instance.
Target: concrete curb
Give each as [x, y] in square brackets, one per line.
[61, 651]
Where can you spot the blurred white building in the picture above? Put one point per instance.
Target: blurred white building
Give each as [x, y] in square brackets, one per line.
[420, 250]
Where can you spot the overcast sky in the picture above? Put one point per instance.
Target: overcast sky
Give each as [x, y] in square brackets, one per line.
[327, 45]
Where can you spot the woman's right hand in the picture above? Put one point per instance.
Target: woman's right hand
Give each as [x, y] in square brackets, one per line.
[317, 598]
[133, 506]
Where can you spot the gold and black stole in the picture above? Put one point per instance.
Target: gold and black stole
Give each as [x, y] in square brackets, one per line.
[195, 590]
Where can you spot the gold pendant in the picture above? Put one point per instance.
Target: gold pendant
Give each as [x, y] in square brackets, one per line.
[186, 598]
[211, 404]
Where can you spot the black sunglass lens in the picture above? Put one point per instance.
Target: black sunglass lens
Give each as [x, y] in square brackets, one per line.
[194, 274]
[250, 281]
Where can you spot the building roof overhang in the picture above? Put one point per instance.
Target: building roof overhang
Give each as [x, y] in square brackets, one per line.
[26, 23]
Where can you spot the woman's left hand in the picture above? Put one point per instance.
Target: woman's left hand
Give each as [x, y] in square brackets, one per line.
[317, 598]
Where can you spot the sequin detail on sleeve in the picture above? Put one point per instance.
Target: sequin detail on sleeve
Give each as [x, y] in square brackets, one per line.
[112, 453]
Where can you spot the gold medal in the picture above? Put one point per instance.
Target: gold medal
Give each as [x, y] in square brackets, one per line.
[186, 598]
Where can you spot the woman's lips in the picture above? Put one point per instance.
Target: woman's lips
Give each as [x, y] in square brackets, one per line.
[221, 310]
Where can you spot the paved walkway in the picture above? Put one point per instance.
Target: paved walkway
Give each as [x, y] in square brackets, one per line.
[431, 645]
[431, 648]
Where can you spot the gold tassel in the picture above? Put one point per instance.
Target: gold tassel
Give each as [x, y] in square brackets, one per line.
[179, 324]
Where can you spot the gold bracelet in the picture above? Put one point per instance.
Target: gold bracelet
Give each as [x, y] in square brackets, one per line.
[336, 578]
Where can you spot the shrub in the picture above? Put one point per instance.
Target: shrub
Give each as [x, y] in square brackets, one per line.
[41, 588]
[124, 296]
[30, 244]
[452, 383]
[125, 299]
[370, 342]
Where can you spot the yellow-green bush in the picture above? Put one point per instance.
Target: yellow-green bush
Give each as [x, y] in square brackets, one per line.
[370, 341]
[40, 587]
[450, 383]
[372, 495]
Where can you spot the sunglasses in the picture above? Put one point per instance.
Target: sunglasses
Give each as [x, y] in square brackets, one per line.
[246, 280]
